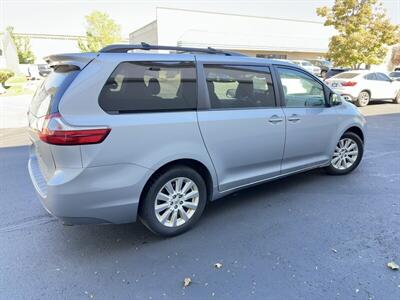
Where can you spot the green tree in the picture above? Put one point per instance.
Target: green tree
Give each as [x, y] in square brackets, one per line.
[363, 32]
[23, 45]
[101, 31]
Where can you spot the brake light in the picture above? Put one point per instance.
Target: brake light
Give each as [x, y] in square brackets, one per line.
[349, 83]
[56, 132]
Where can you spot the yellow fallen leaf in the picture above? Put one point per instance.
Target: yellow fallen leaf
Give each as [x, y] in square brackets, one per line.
[187, 281]
[218, 265]
[392, 265]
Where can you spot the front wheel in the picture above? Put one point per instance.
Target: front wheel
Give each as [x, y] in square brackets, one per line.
[174, 201]
[363, 99]
[347, 155]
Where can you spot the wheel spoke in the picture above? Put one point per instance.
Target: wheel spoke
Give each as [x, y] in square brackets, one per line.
[352, 153]
[343, 163]
[183, 214]
[170, 188]
[165, 216]
[162, 197]
[352, 159]
[161, 207]
[352, 146]
[188, 185]
[191, 195]
[346, 143]
[335, 160]
[178, 184]
[174, 218]
[190, 205]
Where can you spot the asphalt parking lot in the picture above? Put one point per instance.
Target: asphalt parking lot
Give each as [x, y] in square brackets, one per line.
[309, 236]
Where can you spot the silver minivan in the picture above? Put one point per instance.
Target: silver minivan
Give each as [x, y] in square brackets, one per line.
[127, 133]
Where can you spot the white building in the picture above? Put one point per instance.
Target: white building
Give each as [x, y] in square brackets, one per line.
[255, 36]
[8, 54]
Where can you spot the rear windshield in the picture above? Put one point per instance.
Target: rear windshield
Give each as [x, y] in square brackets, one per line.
[46, 99]
[326, 63]
[150, 86]
[394, 74]
[347, 75]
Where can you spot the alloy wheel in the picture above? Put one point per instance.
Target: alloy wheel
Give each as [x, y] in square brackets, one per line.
[363, 98]
[176, 202]
[345, 155]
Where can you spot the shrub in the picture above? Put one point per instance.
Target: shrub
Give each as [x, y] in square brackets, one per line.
[5, 75]
[16, 80]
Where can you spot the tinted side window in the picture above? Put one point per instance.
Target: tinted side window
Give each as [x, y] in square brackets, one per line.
[370, 76]
[301, 90]
[232, 86]
[382, 77]
[150, 86]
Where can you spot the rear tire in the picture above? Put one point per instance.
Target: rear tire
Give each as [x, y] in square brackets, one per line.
[363, 99]
[397, 99]
[174, 201]
[347, 155]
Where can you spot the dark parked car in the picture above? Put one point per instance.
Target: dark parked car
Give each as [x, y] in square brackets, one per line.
[44, 69]
[334, 71]
[397, 69]
[325, 65]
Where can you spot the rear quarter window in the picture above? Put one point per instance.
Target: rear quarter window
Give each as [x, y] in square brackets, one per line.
[46, 99]
[150, 86]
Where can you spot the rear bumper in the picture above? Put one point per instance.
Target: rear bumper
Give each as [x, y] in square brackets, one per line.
[104, 194]
[348, 97]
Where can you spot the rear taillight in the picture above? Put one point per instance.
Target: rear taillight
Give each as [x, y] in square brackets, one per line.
[349, 83]
[56, 132]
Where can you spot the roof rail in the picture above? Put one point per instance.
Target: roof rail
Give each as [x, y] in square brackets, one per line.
[122, 48]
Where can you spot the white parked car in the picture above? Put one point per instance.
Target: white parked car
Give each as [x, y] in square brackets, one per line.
[362, 86]
[308, 66]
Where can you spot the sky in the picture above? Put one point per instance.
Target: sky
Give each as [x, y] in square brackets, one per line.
[67, 17]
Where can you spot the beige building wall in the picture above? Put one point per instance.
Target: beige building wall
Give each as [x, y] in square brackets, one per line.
[284, 38]
[289, 55]
[147, 34]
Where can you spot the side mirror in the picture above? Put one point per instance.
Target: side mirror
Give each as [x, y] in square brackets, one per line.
[334, 99]
[231, 93]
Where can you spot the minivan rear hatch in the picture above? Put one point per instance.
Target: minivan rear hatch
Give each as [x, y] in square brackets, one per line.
[45, 103]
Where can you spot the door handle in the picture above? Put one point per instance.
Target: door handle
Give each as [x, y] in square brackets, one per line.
[294, 118]
[275, 119]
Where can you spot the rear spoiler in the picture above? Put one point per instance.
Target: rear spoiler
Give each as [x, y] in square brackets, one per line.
[79, 60]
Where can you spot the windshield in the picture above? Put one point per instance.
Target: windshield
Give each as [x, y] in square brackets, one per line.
[51, 89]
